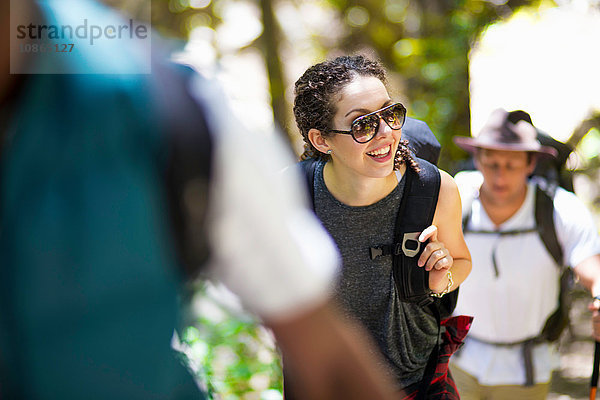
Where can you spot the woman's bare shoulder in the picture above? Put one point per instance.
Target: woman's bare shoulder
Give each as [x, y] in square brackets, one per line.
[448, 187]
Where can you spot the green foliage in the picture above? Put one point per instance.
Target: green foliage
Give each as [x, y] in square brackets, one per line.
[229, 351]
[589, 148]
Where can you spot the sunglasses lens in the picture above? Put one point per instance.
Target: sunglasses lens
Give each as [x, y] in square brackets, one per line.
[363, 129]
[394, 116]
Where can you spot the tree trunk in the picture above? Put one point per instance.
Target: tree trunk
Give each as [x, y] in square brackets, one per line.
[270, 48]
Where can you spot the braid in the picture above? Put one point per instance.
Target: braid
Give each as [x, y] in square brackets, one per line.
[404, 155]
[311, 152]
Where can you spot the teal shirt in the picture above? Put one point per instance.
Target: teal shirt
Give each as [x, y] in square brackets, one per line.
[89, 276]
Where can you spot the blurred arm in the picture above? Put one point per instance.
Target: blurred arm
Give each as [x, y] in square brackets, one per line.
[578, 235]
[331, 358]
[588, 272]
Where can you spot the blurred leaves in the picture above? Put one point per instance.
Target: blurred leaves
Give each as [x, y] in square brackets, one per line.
[230, 353]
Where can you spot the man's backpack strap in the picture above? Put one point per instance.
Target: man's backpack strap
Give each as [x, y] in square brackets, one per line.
[544, 217]
[416, 212]
[544, 220]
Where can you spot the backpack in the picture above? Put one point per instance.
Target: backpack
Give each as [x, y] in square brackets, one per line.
[416, 212]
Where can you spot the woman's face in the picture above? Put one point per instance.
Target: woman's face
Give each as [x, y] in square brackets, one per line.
[374, 159]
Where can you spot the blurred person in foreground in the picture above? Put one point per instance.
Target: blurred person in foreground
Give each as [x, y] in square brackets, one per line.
[109, 184]
[515, 281]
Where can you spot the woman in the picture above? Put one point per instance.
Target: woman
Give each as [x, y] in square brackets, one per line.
[352, 126]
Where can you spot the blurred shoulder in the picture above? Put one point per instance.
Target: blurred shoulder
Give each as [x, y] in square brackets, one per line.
[448, 187]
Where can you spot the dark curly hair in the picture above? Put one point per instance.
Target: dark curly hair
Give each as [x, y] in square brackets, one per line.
[315, 90]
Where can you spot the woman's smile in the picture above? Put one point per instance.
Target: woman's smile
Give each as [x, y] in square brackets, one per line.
[381, 154]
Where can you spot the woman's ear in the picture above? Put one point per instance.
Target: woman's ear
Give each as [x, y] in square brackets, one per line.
[318, 140]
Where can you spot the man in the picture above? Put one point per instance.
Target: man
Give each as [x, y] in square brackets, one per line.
[108, 184]
[514, 285]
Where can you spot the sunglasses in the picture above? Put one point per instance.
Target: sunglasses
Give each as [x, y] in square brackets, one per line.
[365, 127]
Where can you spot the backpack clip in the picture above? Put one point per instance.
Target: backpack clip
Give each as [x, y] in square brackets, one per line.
[375, 252]
[412, 239]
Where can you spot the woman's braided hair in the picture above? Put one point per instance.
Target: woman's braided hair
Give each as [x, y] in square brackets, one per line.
[314, 106]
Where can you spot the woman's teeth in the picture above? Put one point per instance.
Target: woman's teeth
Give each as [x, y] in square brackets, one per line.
[380, 152]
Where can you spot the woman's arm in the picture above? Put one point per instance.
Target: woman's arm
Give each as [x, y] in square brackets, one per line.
[446, 249]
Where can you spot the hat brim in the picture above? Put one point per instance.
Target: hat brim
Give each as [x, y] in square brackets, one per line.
[470, 144]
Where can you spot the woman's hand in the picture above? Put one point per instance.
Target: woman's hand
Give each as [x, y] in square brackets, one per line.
[436, 255]
[436, 259]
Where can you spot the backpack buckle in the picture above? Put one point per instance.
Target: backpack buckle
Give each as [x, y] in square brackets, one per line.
[411, 244]
[375, 252]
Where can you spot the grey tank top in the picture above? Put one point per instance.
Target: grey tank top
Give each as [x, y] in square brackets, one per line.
[405, 333]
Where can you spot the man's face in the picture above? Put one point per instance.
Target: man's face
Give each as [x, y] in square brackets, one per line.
[505, 173]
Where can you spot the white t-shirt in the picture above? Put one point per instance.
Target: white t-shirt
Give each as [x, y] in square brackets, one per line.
[267, 246]
[511, 300]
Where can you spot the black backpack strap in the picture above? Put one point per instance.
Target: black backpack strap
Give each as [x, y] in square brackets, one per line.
[308, 167]
[416, 212]
[417, 209]
[544, 220]
[544, 216]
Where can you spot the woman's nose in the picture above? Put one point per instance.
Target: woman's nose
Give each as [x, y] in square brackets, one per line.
[383, 129]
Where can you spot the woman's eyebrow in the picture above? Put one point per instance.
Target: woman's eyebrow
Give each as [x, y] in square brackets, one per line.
[365, 111]
[362, 110]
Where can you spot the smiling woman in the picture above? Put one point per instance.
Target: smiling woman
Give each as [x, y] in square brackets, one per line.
[352, 129]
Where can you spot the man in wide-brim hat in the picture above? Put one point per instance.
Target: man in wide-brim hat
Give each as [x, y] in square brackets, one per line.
[504, 130]
[514, 285]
